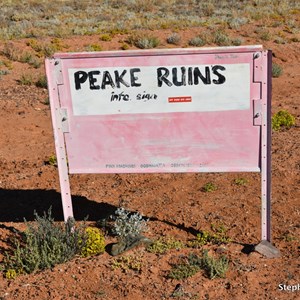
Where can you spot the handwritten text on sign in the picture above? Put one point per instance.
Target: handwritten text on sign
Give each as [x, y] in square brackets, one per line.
[160, 89]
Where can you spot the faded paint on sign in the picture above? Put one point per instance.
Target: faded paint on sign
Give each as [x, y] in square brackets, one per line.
[190, 110]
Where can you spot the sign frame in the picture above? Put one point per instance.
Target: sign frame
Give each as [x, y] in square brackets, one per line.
[261, 106]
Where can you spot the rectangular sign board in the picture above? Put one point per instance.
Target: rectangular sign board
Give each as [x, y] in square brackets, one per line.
[180, 110]
[175, 110]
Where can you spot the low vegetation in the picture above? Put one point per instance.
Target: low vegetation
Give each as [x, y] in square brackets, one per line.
[240, 181]
[64, 18]
[209, 187]
[282, 120]
[163, 244]
[144, 41]
[217, 236]
[52, 160]
[127, 262]
[128, 225]
[45, 244]
[276, 70]
[189, 266]
[174, 39]
[93, 242]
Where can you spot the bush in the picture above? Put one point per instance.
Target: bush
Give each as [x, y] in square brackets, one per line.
[126, 263]
[26, 79]
[197, 41]
[42, 82]
[127, 225]
[43, 245]
[94, 242]
[209, 187]
[276, 70]
[174, 39]
[124, 46]
[241, 181]
[183, 271]
[105, 37]
[204, 237]
[93, 48]
[213, 267]
[237, 42]
[52, 160]
[222, 39]
[144, 42]
[283, 119]
[162, 245]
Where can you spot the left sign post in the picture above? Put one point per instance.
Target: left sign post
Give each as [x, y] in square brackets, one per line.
[59, 127]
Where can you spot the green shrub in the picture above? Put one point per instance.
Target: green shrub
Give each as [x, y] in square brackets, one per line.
[43, 245]
[240, 181]
[187, 267]
[26, 79]
[94, 242]
[125, 46]
[126, 263]
[183, 271]
[265, 35]
[236, 42]
[276, 70]
[209, 187]
[214, 267]
[52, 160]
[10, 274]
[128, 225]
[222, 39]
[42, 82]
[144, 42]
[3, 72]
[162, 245]
[11, 52]
[174, 39]
[105, 37]
[30, 59]
[197, 41]
[94, 47]
[283, 119]
[218, 236]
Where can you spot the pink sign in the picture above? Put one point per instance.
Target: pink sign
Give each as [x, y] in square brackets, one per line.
[160, 111]
[175, 110]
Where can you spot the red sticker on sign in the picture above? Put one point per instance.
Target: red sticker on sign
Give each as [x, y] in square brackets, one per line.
[180, 99]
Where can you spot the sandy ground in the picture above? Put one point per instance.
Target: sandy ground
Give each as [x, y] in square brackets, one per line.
[175, 203]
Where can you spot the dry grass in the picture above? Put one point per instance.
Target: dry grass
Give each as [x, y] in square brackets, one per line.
[59, 18]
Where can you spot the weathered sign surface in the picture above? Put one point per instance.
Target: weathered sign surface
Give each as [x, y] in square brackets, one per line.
[160, 111]
[176, 110]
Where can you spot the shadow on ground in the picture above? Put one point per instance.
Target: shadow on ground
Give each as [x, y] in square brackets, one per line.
[17, 205]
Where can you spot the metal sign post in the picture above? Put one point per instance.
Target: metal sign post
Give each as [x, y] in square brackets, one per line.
[175, 110]
[265, 247]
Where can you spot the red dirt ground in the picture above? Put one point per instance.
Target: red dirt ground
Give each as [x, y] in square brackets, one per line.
[174, 202]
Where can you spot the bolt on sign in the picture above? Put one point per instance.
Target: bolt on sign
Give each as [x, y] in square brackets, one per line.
[174, 110]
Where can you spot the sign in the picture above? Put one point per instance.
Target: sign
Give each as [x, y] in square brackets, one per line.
[175, 110]
[151, 89]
